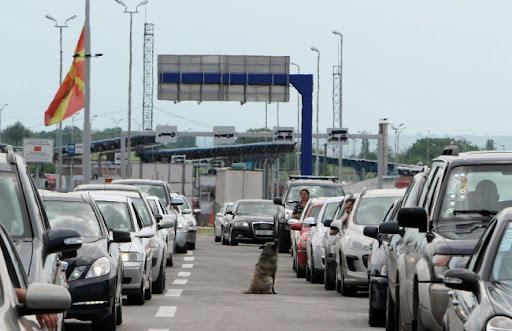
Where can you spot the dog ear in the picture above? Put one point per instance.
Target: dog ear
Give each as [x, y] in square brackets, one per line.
[261, 247]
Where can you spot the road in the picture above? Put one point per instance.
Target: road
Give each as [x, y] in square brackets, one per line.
[204, 292]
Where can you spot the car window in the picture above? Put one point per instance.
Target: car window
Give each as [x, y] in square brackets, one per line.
[116, 215]
[143, 211]
[154, 207]
[15, 269]
[502, 268]
[76, 215]
[156, 190]
[329, 211]
[255, 208]
[185, 204]
[314, 211]
[229, 208]
[315, 191]
[371, 210]
[11, 208]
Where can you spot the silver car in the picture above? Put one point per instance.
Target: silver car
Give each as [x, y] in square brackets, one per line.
[119, 213]
[315, 244]
[166, 224]
[352, 246]
[221, 217]
[189, 215]
[181, 224]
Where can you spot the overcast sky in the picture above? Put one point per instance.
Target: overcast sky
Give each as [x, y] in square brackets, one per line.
[439, 66]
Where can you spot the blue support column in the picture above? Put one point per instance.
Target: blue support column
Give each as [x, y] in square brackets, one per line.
[303, 84]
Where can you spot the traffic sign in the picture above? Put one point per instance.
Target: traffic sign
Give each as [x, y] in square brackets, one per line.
[71, 149]
[117, 158]
[223, 135]
[283, 135]
[38, 150]
[178, 158]
[166, 134]
[336, 136]
[79, 148]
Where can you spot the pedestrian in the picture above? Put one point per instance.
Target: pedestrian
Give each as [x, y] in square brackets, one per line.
[299, 207]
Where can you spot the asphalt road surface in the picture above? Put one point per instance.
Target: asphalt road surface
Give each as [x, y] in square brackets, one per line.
[204, 292]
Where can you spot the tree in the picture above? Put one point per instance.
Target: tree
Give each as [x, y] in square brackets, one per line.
[14, 134]
[435, 146]
[489, 145]
[246, 140]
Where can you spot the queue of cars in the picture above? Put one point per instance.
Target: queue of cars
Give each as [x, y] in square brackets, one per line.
[75, 254]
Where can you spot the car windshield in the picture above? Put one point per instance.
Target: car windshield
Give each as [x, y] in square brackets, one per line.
[154, 208]
[143, 211]
[256, 208]
[371, 210]
[156, 190]
[315, 191]
[502, 268]
[116, 215]
[11, 216]
[76, 215]
[472, 189]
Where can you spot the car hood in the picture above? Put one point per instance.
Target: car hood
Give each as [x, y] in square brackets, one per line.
[251, 219]
[89, 252]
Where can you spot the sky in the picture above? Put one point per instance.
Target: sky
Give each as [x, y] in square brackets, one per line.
[439, 67]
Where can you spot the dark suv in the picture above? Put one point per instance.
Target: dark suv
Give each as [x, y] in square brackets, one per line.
[317, 186]
[443, 229]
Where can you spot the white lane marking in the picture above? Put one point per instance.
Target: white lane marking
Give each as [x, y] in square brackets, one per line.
[158, 329]
[166, 311]
[173, 293]
[180, 281]
[190, 253]
[184, 274]
[187, 266]
[188, 258]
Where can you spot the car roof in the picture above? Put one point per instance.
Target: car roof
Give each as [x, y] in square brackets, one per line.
[256, 200]
[107, 187]
[476, 157]
[101, 196]
[72, 196]
[140, 181]
[334, 199]
[385, 192]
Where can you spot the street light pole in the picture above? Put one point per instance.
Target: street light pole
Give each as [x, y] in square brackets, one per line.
[298, 121]
[317, 164]
[59, 134]
[129, 138]
[397, 129]
[340, 159]
[1, 121]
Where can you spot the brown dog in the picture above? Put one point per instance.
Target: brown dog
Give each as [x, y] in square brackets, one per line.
[264, 277]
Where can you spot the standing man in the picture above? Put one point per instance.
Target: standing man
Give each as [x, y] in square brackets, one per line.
[299, 207]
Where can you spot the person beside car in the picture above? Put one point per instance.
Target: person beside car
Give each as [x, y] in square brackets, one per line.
[299, 207]
[348, 208]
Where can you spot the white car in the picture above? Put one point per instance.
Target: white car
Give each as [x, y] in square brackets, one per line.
[166, 226]
[189, 216]
[180, 240]
[221, 217]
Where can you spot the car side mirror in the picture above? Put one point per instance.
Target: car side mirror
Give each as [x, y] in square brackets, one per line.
[371, 231]
[121, 236]
[166, 224]
[145, 233]
[292, 221]
[158, 217]
[230, 212]
[186, 211]
[391, 228]
[219, 215]
[327, 223]
[461, 279]
[278, 201]
[296, 226]
[413, 217]
[45, 299]
[197, 212]
[310, 221]
[63, 240]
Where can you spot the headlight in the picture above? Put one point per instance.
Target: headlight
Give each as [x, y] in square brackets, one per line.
[77, 272]
[180, 225]
[100, 267]
[444, 262]
[153, 243]
[499, 323]
[358, 245]
[130, 256]
[242, 223]
[384, 271]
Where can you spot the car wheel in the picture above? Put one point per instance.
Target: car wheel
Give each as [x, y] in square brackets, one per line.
[301, 272]
[294, 265]
[328, 283]
[149, 291]
[281, 245]
[398, 314]
[418, 322]
[337, 280]
[390, 313]
[346, 291]
[376, 317]
[308, 273]
[224, 240]
[119, 311]
[182, 249]
[159, 284]
[232, 240]
[138, 298]
[191, 246]
[215, 236]
[316, 277]
[109, 323]
[170, 261]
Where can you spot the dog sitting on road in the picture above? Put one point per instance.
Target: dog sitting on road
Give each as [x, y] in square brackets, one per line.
[264, 277]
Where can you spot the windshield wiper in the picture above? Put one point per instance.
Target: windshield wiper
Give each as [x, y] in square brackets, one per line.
[483, 212]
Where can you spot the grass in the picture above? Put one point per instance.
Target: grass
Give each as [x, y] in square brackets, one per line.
[205, 230]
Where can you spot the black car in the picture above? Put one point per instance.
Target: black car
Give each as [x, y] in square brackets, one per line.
[317, 186]
[377, 269]
[481, 293]
[95, 275]
[24, 218]
[252, 222]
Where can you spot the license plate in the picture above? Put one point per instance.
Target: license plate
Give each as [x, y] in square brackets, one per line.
[263, 232]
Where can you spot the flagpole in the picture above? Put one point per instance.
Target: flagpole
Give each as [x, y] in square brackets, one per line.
[86, 161]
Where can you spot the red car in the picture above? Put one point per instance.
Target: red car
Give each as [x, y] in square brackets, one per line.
[301, 257]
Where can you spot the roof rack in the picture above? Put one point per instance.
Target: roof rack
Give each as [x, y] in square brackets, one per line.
[331, 178]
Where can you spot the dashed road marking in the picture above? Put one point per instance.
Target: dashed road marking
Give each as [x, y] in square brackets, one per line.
[190, 253]
[188, 258]
[180, 281]
[159, 330]
[183, 274]
[166, 311]
[173, 293]
[187, 266]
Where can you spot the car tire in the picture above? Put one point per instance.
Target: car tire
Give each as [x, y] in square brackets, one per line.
[294, 265]
[182, 249]
[119, 312]
[282, 247]
[376, 317]
[328, 283]
[158, 286]
[232, 240]
[316, 277]
[346, 291]
[224, 240]
[308, 273]
[191, 246]
[170, 261]
[215, 236]
[390, 313]
[337, 280]
[417, 324]
[301, 273]
[149, 291]
[109, 323]
[137, 298]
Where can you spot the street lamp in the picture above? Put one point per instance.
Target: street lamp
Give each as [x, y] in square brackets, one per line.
[298, 119]
[317, 164]
[59, 134]
[397, 129]
[340, 160]
[129, 142]
[1, 121]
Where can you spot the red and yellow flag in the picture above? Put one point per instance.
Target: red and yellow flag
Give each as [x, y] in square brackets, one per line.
[70, 97]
